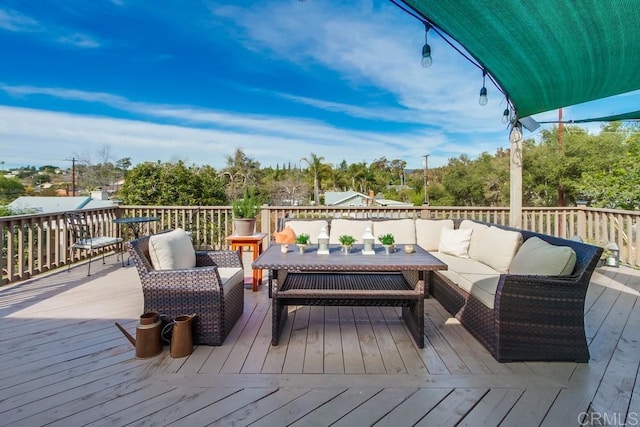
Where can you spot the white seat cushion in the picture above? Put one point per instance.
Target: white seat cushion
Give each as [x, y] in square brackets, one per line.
[428, 232]
[230, 276]
[484, 287]
[404, 230]
[498, 247]
[455, 242]
[464, 265]
[311, 227]
[350, 227]
[172, 250]
[538, 257]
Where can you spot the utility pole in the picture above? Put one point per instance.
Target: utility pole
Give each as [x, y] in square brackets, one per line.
[73, 175]
[426, 181]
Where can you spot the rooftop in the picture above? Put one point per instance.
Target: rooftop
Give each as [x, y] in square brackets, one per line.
[64, 362]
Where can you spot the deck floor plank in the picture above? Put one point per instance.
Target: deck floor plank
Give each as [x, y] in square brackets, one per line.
[294, 359]
[301, 406]
[371, 355]
[388, 350]
[415, 407]
[333, 359]
[314, 352]
[258, 410]
[453, 408]
[352, 353]
[337, 408]
[377, 407]
[258, 352]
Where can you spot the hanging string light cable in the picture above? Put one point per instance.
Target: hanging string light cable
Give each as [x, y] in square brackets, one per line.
[430, 26]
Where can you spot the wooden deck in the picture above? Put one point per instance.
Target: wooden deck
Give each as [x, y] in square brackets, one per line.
[63, 362]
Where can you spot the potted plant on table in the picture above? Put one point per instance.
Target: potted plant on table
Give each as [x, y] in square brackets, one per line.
[346, 241]
[245, 211]
[387, 241]
[302, 240]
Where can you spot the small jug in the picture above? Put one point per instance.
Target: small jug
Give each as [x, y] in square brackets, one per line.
[147, 341]
[181, 341]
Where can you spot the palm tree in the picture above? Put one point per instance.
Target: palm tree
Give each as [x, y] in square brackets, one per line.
[318, 168]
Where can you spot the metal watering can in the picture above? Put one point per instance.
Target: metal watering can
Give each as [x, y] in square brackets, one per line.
[181, 339]
[148, 341]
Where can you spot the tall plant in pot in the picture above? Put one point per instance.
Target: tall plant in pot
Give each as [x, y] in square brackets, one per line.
[245, 211]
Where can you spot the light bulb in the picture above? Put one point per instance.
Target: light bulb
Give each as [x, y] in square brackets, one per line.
[426, 56]
[483, 96]
[505, 115]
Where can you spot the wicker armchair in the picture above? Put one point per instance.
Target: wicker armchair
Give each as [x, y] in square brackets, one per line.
[218, 302]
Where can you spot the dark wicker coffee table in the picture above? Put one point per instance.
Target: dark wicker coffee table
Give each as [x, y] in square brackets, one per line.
[395, 279]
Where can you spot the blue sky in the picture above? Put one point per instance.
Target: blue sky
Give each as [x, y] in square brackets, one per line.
[193, 80]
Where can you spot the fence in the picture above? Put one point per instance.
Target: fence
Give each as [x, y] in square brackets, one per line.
[33, 244]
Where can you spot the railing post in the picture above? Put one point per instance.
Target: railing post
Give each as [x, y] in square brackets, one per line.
[582, 223]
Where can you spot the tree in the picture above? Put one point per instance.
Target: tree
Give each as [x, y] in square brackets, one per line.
[173, 184]
[241, 172]
[318, 169]
[10, 189]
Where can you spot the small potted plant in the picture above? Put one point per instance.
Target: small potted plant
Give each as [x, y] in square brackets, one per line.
[245, 211]
[302, 240]
[346, 241]
[387, 241]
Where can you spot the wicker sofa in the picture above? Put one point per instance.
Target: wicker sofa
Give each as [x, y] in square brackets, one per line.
[213, 289]
[517, 315]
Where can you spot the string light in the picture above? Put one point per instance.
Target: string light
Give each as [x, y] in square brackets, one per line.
[483, 92]
[426, 49]
[505, 115]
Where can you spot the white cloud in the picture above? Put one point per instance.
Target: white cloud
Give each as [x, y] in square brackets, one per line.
[372, 48]
[12, 20]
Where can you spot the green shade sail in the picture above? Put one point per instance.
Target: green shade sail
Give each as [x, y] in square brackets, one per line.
[546, 54]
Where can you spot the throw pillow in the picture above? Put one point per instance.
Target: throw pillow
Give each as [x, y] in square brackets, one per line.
[455, 242]
[537, 257]
[172, 250]
[285, 236]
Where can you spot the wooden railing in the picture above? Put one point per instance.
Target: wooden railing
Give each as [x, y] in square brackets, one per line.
[40, 242]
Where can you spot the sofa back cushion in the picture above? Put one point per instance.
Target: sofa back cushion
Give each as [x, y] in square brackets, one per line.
[172, 250]
[311, 227]
[455, 242]
[537, 257]
[498, 247]
[428, 232]
[475, 245]
[404, 230]
[351, 227]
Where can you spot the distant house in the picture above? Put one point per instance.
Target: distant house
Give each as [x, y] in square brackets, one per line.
[44, 204]
[354, 198]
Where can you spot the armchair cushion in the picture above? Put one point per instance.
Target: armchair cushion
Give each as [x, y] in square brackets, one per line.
[172, 250]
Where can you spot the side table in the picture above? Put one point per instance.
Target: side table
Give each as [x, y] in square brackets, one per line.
[255, 242]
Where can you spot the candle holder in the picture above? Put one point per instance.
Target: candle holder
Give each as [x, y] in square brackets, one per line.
[368, 239]
[323, 242]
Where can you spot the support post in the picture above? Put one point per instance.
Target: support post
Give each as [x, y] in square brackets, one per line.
[515, 169]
